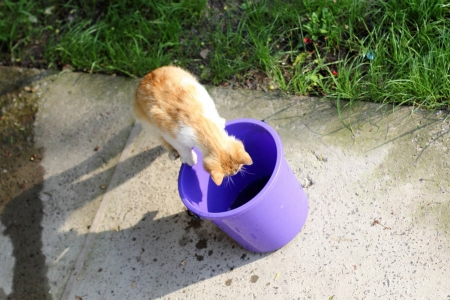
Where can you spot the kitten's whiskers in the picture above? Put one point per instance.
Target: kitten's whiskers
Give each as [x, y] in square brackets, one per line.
[229, 181]
[243, 171]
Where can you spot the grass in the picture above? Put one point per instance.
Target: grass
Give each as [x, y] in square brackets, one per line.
[387, 51]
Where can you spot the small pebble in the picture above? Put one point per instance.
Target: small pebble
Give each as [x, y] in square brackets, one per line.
[371, 55]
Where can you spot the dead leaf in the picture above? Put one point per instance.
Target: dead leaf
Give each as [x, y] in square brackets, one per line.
[276, 276]
[204, 53]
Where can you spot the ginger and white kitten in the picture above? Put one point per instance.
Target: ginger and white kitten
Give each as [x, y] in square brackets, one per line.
[173, 105]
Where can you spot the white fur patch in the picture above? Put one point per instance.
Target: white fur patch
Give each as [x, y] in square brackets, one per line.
[186, 136]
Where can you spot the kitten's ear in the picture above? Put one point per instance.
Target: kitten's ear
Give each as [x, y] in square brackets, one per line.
[217, 177]
[245, 159]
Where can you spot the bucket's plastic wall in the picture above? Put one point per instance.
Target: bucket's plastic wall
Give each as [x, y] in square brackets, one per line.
[274, 216]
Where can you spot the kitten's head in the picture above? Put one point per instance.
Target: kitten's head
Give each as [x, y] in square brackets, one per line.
[227, 161]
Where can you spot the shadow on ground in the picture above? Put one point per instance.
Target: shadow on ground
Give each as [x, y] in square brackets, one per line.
[156, 257]
[202, 242]
[21, 210]
[22, 218]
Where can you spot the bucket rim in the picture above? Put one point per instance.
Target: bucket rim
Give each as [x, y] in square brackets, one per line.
[255, 200]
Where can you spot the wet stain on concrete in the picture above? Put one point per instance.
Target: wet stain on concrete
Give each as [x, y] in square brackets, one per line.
[199, 257]
[184, 241]
[202, 244]
[195, 224]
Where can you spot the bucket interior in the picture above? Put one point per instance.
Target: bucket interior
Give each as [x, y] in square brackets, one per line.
[203, 196]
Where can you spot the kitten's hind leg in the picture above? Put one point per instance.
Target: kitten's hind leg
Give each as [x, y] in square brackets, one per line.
[173, 153]
[186, 154]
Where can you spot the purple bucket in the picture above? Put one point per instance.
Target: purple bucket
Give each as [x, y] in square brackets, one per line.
[278, 206]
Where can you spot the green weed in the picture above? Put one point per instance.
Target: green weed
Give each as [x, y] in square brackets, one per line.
[393, 51]
[128, 39]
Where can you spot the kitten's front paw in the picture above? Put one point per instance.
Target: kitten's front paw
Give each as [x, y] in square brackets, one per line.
[194, 157]
[191, 160]
[173, 154]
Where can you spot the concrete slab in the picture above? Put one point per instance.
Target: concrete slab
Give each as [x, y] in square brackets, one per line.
[364, 176]
[377, 183]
